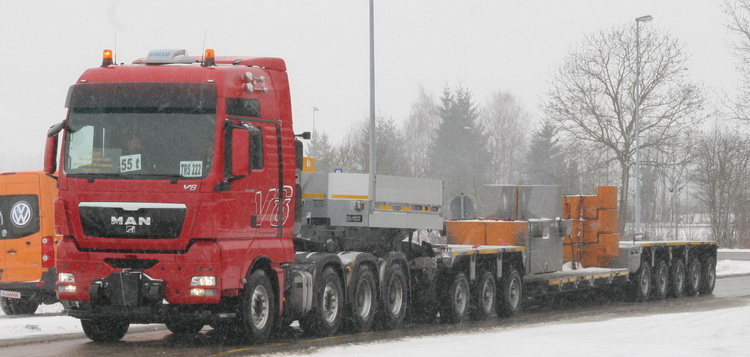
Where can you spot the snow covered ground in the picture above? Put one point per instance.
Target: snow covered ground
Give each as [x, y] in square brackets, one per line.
[710, 333]
[727, 329]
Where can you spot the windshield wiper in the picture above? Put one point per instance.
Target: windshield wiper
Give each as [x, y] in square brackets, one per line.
[173, 178]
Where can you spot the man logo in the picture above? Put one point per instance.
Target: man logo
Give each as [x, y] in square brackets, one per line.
[20, 214]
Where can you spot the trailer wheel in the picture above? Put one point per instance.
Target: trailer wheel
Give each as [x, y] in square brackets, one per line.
[708, 276]
[363, 306]
[693, 278]
[184, 327]
[325, 318]
[105, 330]
[394, 296]
[511, 294]
[677, 279]
[455, 305]
[484, 297]
[661, 280]
[258, 307]
[641, 286]
[23, 306]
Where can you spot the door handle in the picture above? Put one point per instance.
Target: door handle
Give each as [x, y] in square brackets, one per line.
[12, 251]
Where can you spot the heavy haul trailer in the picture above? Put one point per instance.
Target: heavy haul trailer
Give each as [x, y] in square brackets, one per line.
[182, 201]
[587, 240]
[27, 242]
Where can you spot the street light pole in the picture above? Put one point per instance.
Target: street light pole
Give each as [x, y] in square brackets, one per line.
[373, 138]
[647, 18]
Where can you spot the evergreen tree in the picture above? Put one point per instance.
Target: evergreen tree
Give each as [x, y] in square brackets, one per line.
[459, 156]
[545, 159]
[322, 151]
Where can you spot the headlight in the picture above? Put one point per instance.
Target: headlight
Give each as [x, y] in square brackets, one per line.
[65, 278]
[203, 281]
[66, 288]
[202, 292]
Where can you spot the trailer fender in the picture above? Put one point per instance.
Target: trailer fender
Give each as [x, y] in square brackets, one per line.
[351, 263]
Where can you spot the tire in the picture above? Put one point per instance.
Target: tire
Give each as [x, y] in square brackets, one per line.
[511, 294]
[641, 285]
[258, 307]
[22, 306]
[394, 297]
[708, 276]
[677, 277]
[455, 306]
[364, 300]
[484, 297]
[326, 317]
[105, 330]
[693, 280]
[184, 327]
[661, 280]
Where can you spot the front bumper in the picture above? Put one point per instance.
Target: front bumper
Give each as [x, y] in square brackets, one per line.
[133, 280]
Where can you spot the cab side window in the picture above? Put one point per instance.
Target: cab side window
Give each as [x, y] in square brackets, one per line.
[256, 148]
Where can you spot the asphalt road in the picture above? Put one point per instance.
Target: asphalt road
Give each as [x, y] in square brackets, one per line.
[729, 292]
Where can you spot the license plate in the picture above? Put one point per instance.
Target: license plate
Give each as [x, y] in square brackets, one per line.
[10, 294]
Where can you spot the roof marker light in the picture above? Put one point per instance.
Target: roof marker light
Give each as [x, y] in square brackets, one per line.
[107, 58]
[209, 59]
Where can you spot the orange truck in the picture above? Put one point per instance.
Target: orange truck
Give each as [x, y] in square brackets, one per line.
[27, 241]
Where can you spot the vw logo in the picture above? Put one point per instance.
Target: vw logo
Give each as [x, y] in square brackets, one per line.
[20, 214]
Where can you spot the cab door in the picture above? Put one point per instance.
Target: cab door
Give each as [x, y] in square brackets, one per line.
[268, 211]
[20, 229]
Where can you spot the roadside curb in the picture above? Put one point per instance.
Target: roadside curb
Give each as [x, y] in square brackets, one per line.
[732, 276]
[70, 336]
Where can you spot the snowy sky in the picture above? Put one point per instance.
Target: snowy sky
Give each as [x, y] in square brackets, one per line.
[484, 45]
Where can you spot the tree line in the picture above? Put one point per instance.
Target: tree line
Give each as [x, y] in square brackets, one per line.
[695, 157]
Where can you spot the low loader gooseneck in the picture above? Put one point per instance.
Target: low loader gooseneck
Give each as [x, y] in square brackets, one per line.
[183, 200]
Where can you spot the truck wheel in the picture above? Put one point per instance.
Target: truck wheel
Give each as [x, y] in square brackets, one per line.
[325, 319]
[23, 306]
[105, 330]
[641, 285]
[484, 297]
[456, 302]
[661, 280]
[363, 306]
[258, 307]
[708, 276]
[693, 285]
[677, 279]
[394, 292]
[184, 327]
[511, 293]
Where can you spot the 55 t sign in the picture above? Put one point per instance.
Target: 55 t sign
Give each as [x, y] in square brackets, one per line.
[130, 163]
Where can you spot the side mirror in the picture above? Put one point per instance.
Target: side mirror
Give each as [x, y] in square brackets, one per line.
[50, 155]
[50, 148]
[240, 152]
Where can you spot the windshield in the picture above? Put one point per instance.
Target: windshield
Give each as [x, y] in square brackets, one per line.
[137, 142]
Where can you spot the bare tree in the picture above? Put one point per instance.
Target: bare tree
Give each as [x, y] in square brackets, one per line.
[592, 96]
[738, 13]
[353, 154]
[722, 173]
[418, 132]
[507, 125]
